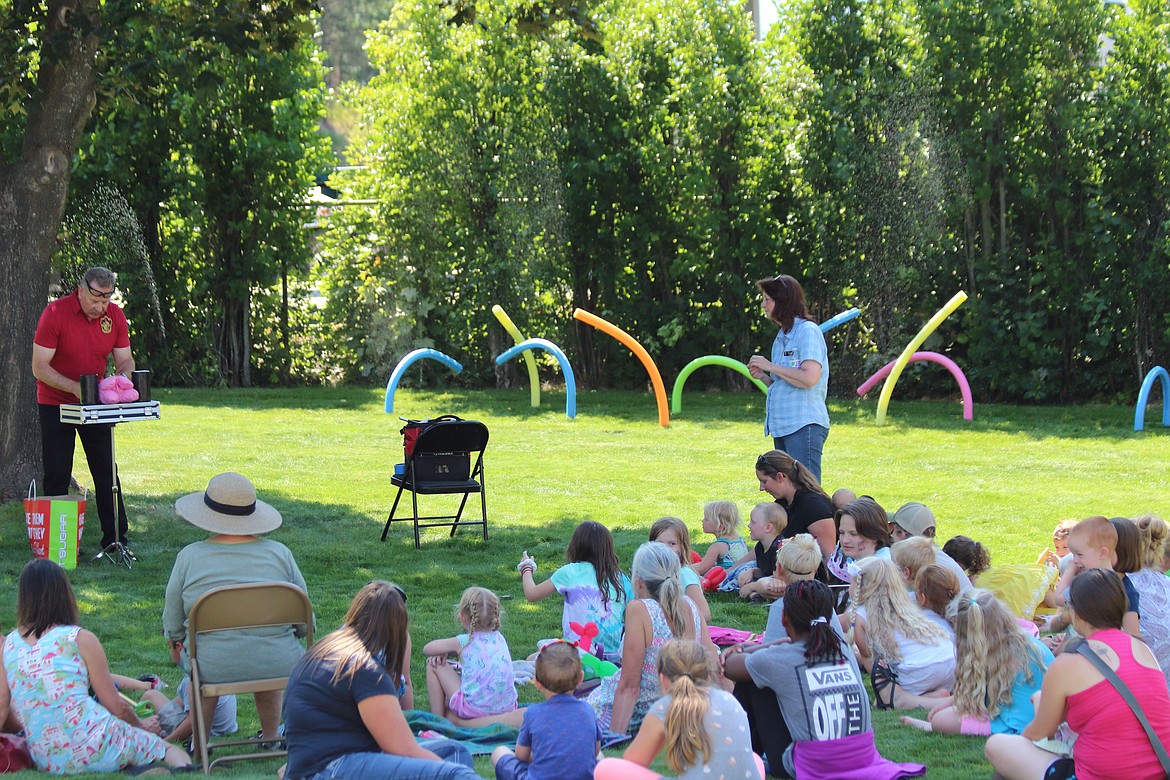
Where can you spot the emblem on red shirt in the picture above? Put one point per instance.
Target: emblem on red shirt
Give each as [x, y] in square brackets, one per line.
[106, 323]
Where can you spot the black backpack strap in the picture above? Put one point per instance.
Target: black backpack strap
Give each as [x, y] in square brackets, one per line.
[1082, 648]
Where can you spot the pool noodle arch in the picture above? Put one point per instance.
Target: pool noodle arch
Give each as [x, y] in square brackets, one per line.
[1139, 413]
[566, 368]
[644, 356]
[708, 360]
[839, 319]
[735, 365]
[406, 362]
[514, 332]
[899, 364]
[930, 357]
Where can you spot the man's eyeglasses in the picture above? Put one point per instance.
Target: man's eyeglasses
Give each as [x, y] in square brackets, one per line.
[105, 296]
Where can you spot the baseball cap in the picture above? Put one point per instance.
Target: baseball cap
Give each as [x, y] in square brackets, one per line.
[914, 518]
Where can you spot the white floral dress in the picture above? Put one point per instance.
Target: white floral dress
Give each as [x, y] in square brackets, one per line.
[68, 731]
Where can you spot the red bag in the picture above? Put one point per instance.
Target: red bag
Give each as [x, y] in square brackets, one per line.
[413, 428]
[14, 755]
[55, 525]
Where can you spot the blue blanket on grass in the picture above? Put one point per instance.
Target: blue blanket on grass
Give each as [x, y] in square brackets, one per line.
[481, 741]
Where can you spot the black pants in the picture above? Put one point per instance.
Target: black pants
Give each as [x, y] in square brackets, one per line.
[770, 735]
[57, 442]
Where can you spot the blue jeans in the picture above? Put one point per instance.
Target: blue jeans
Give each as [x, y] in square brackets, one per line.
[384, 766]
[511, 768]
[805, 445]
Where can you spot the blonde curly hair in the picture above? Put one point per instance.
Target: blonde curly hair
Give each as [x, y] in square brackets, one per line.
[1154, 533]
[990, 651]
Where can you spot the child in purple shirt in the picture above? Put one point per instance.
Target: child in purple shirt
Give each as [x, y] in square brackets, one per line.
[560, 738]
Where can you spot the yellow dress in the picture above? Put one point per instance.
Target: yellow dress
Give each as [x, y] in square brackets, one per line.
[1019, 586]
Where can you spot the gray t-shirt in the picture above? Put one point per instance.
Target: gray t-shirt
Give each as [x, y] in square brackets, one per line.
[942, 559]
[775, 629]
[819, 702]
[731, 742]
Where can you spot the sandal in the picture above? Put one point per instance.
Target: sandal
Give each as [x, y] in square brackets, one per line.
[883, 679]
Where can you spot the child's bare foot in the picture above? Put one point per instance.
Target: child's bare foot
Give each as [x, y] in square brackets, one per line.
[918, 723]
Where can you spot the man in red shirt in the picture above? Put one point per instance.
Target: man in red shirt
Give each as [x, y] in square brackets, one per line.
[76, 335]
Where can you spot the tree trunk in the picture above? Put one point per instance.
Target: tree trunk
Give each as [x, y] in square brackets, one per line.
[32, 201]
[235, 342]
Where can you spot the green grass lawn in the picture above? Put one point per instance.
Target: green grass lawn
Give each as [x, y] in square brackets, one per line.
[323, 456]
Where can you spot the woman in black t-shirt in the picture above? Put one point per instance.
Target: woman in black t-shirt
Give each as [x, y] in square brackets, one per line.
[808, 506]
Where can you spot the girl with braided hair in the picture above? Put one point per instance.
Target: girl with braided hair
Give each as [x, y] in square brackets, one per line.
[699, 726]
[808, 710]
[485, 692]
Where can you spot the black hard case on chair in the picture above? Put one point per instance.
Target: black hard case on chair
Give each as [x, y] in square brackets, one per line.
[441, 463]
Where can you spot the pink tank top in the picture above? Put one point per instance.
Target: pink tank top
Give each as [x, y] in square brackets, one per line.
[1111, 741]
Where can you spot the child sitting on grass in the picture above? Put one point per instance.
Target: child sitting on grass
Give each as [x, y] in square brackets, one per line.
[997, 670]
[1053, 555]
[798, 560]
[485, 693]
[911, 660]
[721, 519]
[935, 588]
[912, 556]
[174, 715]
[592, 584]
[559, 738]
[1094, 544]
[970, 554]
[1021, 587]
[765, 524]
[673, 532]
[702, 728]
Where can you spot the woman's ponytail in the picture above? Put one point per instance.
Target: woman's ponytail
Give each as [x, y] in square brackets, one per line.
[658, 567]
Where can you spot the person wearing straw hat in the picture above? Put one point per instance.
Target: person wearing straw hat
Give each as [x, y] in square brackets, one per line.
[234, 554]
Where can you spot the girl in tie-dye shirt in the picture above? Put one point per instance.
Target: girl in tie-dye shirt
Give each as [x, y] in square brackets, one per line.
[593, 586]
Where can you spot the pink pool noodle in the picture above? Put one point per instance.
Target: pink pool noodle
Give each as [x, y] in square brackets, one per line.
[929, 357]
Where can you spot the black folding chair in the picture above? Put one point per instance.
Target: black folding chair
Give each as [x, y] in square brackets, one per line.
[441, 463]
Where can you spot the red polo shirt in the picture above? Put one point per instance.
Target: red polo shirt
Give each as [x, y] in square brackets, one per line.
[83, 345]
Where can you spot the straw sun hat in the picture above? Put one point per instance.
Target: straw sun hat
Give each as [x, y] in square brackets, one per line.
[228, 506]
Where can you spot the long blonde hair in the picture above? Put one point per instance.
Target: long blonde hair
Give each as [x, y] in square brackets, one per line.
[688, 668]
[990, 651]
[878, 586]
